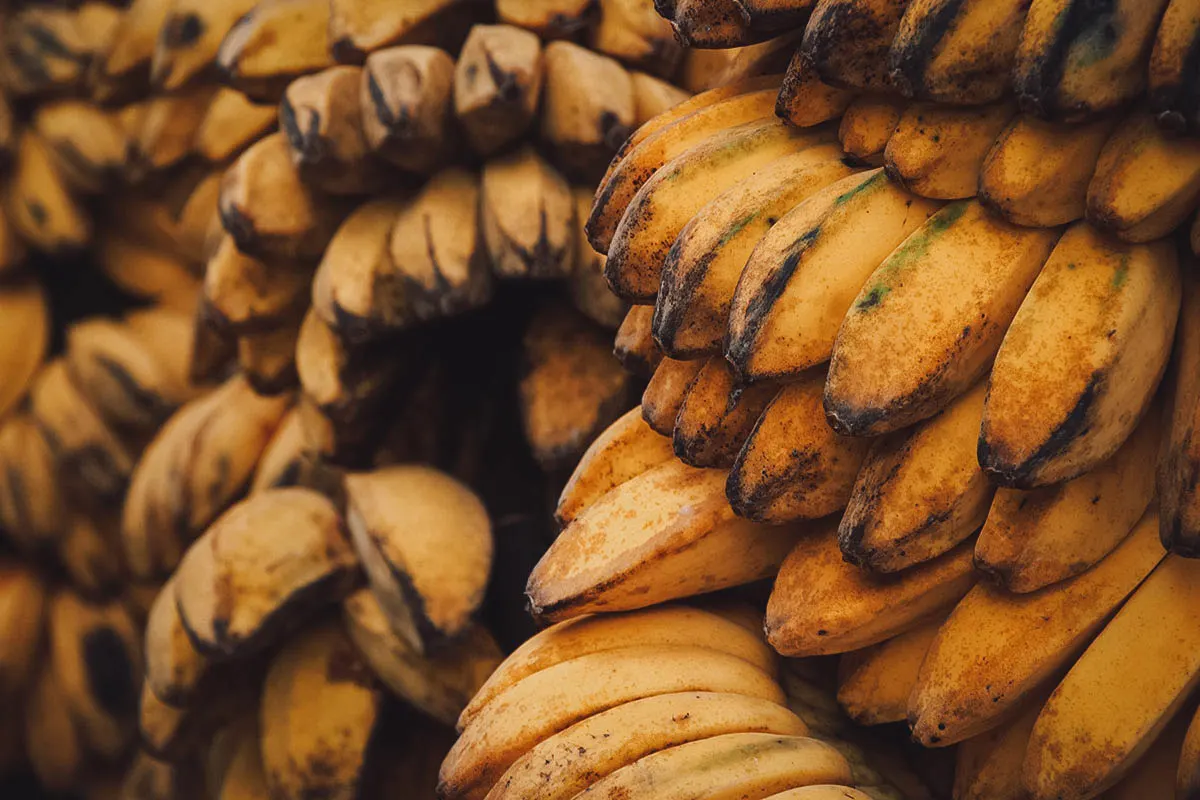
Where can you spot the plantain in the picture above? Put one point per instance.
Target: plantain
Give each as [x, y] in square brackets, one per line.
[497, 85]
[528, 217]
[404, 108]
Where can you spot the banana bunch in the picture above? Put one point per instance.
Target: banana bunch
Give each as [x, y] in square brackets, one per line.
[910, 361]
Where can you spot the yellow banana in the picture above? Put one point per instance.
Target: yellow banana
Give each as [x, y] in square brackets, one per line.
[174, 668]
[273, 43]
[550, 19]
[405, 99]
[874, 683]
[631, 31]
[892, 364]
[286, 460]
[920, 491]
[651, 97]
[88, 552]
[244, 294]
[528, 217]
[191, 34]
[634, 344]
[938, 151]
[147, 272]
[1081, 360]
[89, 145]
[717, 416]
[40, 205]
[988, 766]
[23, 607]
[588, 288]
[497, 85]
[164, 130]
[1178, 458]
[31, 498]
[267, 358]
[233, 122]
[1170, 82]
[996, 648]
[852, 55]
[866, 126]
[359, 28]
[125, 66]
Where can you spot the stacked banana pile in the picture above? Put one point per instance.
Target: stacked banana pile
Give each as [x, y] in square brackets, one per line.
[908, 312]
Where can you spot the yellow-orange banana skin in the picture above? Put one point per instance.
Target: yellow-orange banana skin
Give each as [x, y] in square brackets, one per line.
[1178, 474]
[1081, 360]
[997, 648]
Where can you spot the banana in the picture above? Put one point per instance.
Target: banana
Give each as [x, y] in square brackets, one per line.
[988, 766]
[95, 656]
[626, 449]
[124, 68]
[1037, 173]
[1103, 315]
[52, 740]
[88, 554]
[631, 32]
[359, 28]
[437, 251]
[600, 745]
[874, 683]
[645, 153]
[90, 147]
[320, 712]
[404, 521]
[23, 606]
[1177, 473]
[274, 43]
[634, 345]
[596, 633]
[191, 34]
[269, 211]
[1188, 773]
[1122, 691]
[846, 41]
[94, 462]
[651, 97]
[549, 19]
[822, 605]
[440, 683]
[997, 648]
[728, 767]
[959, 52]
[548, 702]
[764, 58]
[406, 112]
[717, 416]
[1154, 775]
[866, 126]
[805, 100]
[323, 119]
[1035, 538]
[920, 491]
[40, 205]
[588, 289]
[497, 85]
[164, 130]
[268, 357]
[13, 250]
[528, 217]
[803, 276]
[570, 388]
[1170, 83]
[665, 203]
[708, 24]
[587, 109]
[701, 269]
[938, 151]
[1145, 183]
[776, 14]
[793, 465]
[242, 778]
[665, 534]
[174, 668]
[1076, 62]
[233, 122]
[286, 461]
[31, 499]
[244, 294]
[50, 50]
[238, 589]
[892, 365]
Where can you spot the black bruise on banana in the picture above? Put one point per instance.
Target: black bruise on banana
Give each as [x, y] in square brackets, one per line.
[907, 66]
[846, 32]
[182, 31]
[307, 143]
[999, 465]
[1037, 87]
[110, 672]
[153, 407]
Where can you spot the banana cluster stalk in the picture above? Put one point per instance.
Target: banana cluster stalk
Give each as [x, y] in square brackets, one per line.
[918, 326]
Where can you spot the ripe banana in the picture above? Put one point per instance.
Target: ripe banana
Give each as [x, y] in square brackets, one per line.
[555, 698]
[23, 606]
[1037, 173]
[920, 491]
[146, 272]
[174, 668]
[846, 41]
[1121, 692]
[717, 416]
[701, 269]
[404, 96]
[587, 286]
[666, 392]
[1032, 539]
[822, 605]
[164, 129]
[938, 151]
[1103, 316]
[634, 345]
[239, 588]
[233, 122]
[1171, 97]
[286, 460]
[1177, 464]
[124, 66]
[874, 683]
[1075, 63]
[802, 278]
[728, 767]
[794, 466]
[596, 633]
[865, 128]
[267, 358]
[358, 28]
[1027, 639]
[497, 85]
[1145, 183]
[805, 100]
[31, 497]
[959, 52]
[988, 766]
[665, 534]
[89, 556]
[598, 746]
[1189, 762]
[897, 360]
[52, 740]
[404, 521]
[244, 294]
[550, 19]
[631, 32]
[274, 43]
[1154, 775]
[188, 41]
[89, 145]
[528, 217]
[40, 205]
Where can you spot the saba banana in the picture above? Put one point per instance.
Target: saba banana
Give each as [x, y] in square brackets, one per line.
[600, 399]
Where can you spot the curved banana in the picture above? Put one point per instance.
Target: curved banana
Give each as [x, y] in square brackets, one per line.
[632, 32]
[497, 85]
[717, 416]
[634, 345]
[1172, 98]
[874, 683]
[550, 19]
[190, 36]
[174, 668]
[866, 126]
[405, 98]
[938, 151]
[23, 607]
[232, 123]
[39, 204]
[852, 55]
[988, 765]
[666, 391]
[273, 43]
[528, 217]
[1179, 461]
[32, 505]
[90, 146]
